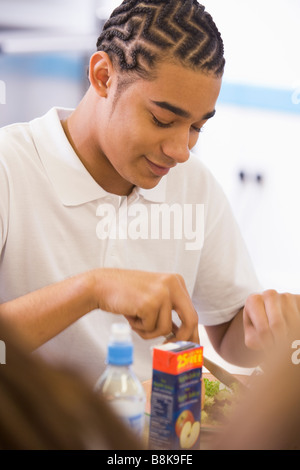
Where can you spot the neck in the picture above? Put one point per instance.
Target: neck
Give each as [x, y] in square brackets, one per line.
[81, 131]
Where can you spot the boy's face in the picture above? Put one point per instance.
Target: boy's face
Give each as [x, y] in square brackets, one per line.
[152, 125]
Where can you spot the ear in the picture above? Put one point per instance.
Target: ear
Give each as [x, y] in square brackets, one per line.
[100, 73]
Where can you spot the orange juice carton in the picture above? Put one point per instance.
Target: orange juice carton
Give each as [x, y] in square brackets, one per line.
[176, 396]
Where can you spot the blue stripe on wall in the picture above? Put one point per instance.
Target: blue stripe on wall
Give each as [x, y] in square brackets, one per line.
[251, 96]
[70, 67]
[44, 65]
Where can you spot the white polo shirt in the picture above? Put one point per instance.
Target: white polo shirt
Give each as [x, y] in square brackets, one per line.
[56, 221]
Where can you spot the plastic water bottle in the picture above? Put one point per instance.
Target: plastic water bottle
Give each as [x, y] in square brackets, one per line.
[119, 383]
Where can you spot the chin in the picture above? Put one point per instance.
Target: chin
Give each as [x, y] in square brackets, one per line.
[149, 184]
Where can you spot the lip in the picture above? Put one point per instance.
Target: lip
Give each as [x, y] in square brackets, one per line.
[157, 169]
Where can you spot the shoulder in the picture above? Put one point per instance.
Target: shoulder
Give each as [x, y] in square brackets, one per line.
[15, 140]
[22, 140]
[14, 133]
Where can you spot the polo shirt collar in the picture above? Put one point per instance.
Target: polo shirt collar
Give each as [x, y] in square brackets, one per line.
[72, 182]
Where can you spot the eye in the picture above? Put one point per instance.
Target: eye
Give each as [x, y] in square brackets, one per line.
[197, 129]
[159, 123]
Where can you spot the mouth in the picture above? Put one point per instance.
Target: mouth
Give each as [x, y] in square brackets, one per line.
[158, 170]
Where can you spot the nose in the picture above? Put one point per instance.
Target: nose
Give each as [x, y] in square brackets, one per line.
[176, 146]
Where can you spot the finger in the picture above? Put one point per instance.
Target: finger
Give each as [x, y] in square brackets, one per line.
[171, 337]
[144, 316]
[290, 306]
[130, 320]
[277, 308]
[174, 328]
[257, 332]
[182, 305]
[163, 324]
[186, 331]
[185, 310]
[195, 337]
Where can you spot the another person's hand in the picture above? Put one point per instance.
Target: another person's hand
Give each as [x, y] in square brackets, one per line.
[267, 415]
[269, 318]
[147, 299]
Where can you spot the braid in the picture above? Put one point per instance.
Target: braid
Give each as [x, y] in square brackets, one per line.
[140, 33]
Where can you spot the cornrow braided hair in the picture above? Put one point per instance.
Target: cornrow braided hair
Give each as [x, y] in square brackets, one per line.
[140, 33]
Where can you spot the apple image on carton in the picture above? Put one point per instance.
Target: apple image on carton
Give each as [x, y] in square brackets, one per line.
[189, 434]
[187, 429]
[185, 415]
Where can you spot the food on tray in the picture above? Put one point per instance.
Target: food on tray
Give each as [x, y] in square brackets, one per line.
[218, 403]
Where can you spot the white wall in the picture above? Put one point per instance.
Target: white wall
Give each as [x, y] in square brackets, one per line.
[267, 144]
[261, 39]
[261, 45]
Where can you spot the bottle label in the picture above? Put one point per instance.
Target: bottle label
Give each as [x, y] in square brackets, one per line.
[135, 423]
[131, 413]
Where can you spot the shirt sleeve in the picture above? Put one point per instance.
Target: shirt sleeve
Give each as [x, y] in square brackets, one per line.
[226, 276]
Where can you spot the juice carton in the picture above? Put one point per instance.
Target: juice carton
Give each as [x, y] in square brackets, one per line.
[176, 396]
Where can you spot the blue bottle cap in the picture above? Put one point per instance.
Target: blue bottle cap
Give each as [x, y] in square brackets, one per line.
[120, 347]
[120, 354]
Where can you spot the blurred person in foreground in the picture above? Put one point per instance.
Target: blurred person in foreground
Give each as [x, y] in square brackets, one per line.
[78, 189]
[48, 408]
[268, 415]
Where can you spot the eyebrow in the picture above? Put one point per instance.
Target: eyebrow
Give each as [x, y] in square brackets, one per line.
[179, 111]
